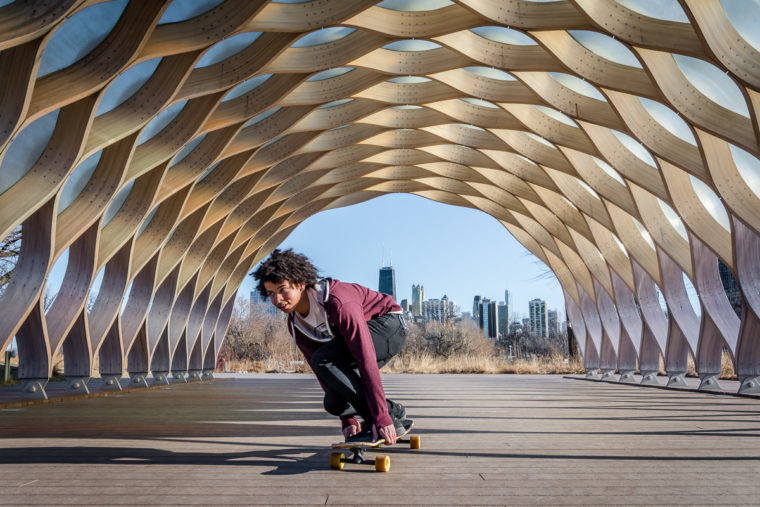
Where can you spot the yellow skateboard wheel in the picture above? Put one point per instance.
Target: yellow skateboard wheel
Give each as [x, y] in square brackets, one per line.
[336, 460]
[383, 463]
[415, 442]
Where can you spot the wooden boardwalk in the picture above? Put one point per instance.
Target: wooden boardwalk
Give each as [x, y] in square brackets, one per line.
[264, 439]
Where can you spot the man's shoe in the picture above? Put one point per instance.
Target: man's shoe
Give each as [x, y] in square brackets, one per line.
[396, 410]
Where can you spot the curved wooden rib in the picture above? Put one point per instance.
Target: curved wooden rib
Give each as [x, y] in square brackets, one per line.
[631, 326]
[26, 21]
[720, 325]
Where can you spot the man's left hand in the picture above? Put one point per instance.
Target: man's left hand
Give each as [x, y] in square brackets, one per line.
[388, 433]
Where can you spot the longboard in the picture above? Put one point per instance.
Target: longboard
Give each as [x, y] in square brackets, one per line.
[382, 463]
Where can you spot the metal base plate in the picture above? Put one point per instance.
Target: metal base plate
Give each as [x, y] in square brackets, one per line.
[138, 380]
[160, 378]
[78, 385]
[34, 389]
[649, 378]
[677, 380]
[750, 385]
[626, 377]
[112, 382]
[709, 382]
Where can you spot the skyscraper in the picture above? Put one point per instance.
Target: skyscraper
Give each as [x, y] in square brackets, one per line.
[418, 296]
[488, 319]
[553, 324]
[504, 317]
[387, 283]
[404, 305]
[508, 302]
[538, 317]
[476, 309]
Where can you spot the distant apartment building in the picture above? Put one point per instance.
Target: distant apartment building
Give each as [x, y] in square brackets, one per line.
[453, 309]
[538, 317]
[436, 309]
[257, 301]
[553, 324]
[418, 296]
[387, 283]
[488, 319]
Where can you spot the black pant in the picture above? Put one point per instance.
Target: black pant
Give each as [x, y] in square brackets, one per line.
[336, 368]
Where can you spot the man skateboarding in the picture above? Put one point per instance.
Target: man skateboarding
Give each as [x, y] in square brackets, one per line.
[346, 332]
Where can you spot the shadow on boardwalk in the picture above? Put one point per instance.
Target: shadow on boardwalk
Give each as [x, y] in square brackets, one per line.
[488, 439]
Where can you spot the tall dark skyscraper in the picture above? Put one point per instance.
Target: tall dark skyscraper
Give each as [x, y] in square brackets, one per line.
[476, 308]
[488, 318]
[387, 284]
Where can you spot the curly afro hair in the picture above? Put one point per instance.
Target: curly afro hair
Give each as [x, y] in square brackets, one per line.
[285, 265]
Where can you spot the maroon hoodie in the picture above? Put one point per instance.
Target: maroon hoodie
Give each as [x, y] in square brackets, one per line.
[349, 307]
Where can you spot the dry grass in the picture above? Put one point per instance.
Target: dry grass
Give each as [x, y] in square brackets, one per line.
[427, 363]
[423, 362]
[269, 365]
[466, 363]
[727, 367]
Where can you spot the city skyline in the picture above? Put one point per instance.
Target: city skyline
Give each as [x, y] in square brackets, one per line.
[454, 251]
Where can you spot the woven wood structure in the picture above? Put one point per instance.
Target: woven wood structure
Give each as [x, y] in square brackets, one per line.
[168, 147]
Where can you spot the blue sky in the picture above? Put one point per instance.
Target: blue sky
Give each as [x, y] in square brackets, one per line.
[450, 250]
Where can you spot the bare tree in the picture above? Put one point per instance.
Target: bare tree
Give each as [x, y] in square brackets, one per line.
[447, 340]
[10, 248]
[255, 334]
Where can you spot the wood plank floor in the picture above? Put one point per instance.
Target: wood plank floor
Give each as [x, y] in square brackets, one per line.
[487, 439]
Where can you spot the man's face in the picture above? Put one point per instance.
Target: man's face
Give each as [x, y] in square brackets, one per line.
[284, 295]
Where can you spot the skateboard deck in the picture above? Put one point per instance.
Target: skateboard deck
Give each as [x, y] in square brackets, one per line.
[408, 423]
[381, 463]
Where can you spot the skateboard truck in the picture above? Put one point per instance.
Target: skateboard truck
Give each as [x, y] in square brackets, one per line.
[382, 463]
